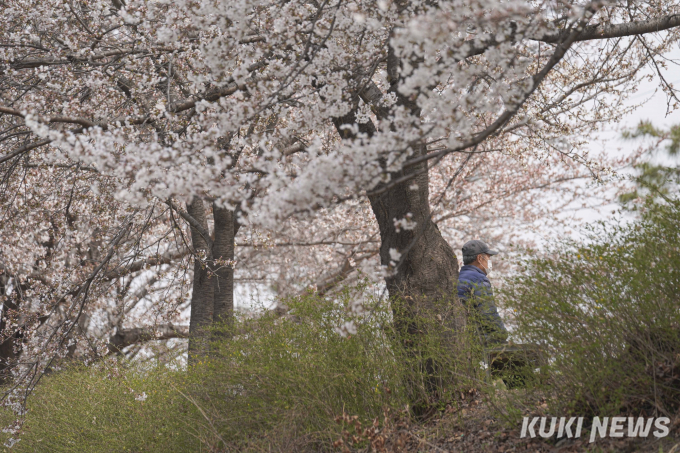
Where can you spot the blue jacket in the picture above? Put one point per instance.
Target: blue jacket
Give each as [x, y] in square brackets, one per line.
[474, 290]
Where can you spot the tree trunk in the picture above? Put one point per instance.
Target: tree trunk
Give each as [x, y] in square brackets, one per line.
[429, 269]
[226, 228]
[422, 284]
[202, 297]
[8, 345]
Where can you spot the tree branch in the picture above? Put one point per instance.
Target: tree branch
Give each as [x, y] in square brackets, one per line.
[193, 222]
[296, 148]
[606, 31]
[349, 265]
[31, 63]
[175, 107]
[24, 149]
[126, 337]
[558, 54]
[135, 266]
[593, 32]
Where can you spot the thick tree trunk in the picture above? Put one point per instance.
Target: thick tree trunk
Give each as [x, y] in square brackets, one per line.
[10, 345]
[202, 297]
[429, 269]
[226, 227]
[212, 300]
[423, 280]
[422, 287]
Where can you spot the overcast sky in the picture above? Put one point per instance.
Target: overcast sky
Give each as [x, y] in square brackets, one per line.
[610, 141]
[654, 108]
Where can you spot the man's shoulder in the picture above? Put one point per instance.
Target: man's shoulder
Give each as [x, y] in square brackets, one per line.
[471, 274]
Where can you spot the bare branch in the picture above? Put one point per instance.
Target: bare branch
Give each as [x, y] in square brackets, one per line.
[606, 31]
[126, 337]
[135, 266]
[31, 63]
[349, 265]
[296, 148]
[191, 221]
[24, 149]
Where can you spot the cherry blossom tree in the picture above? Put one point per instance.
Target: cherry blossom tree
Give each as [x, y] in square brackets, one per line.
[373, 122]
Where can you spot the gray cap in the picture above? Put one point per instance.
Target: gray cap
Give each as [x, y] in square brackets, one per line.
[475, 247]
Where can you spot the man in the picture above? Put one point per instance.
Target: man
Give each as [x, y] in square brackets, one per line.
[474, 290]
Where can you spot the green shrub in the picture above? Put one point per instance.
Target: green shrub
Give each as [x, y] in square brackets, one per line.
[108, 407]
[270, 382]
[608, 315]
[292, 376]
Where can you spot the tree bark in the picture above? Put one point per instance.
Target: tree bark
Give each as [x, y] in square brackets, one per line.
[429, 269]
[423, 280]
[126, 337]
[422, 287]
[202, 297]
[10, 346]
[226, 228]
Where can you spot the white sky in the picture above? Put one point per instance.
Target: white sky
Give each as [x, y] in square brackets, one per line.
[610, 141]
[653, 109]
